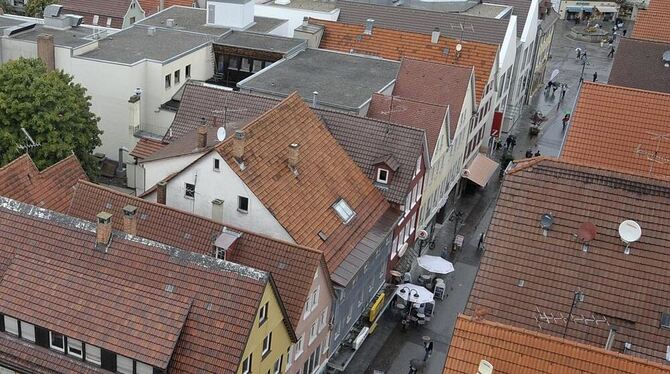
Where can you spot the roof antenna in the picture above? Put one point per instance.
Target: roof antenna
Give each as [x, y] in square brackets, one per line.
[31, 143]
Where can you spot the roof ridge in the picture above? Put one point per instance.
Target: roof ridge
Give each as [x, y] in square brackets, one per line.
[454, 66]
[538, 334]
[612, 86]
[413, 100]
[16, 161]
[59, 163]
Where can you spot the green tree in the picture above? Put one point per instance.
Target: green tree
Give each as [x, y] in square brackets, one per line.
[4, 5]
[34, 8]
[52, 109]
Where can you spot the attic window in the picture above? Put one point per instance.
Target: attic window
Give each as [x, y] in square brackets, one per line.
[665, 320]
[382, 176]
[344, 210]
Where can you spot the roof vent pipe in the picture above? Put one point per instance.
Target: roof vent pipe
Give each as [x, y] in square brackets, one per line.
[435, 36]
[369, 24]
[305, 21]
[151, 31]
[315, 98]
[169, 22]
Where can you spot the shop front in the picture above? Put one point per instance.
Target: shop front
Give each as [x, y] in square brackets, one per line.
[571, 10]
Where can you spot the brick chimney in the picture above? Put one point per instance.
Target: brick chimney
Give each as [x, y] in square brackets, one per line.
[103, 229]
[202, 137]
[293, 155]
[45, 50]
[238, 144]
[161, 192]
[129, 220]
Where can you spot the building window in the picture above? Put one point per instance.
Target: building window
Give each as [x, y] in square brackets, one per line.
[93, 354]
[190, 190]
[56, 341]
[243, 204]
[277, 366]
[217, 164]
[124, 365]
[132, 20]
[168, 81]
[188, 71]
[263, 314]
[142, 368]
[315, 298]
[28, 331]
[298, 348]
[177, 77]
[289, 358]
[12, 325]
[313, 331]
[323, 320]
[74, 348]
[267, 344]
[246, 364]
[343, 210]
[382, 175]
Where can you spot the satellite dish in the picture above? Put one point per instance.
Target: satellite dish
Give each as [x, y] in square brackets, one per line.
[587, 232]
[423, 234]
[666, 57]
[459, 47]
[546, 221]
[221, 134]
[629, 231]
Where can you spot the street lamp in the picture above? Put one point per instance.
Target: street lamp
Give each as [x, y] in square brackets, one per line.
[412, 293]
[456, 218]
[577, 298]
[584, 62]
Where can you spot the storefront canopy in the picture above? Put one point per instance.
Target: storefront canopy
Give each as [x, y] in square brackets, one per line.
[577, 9]
[480, 170]
[607, 9]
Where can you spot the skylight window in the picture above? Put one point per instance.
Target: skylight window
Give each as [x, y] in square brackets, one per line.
[344, 210]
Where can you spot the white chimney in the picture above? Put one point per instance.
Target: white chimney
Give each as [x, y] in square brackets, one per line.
[369, 24]
[435, 36]
[315, 98]
[217, 210]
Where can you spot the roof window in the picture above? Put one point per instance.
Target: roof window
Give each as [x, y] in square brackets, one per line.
[344, 210]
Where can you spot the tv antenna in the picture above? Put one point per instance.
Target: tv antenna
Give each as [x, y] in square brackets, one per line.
[30, 144]
[654, 156]
[225, 111]
[398, 109]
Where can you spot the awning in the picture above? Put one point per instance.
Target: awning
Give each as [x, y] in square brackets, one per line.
[607, 9]
[575, 9]
[480, 170]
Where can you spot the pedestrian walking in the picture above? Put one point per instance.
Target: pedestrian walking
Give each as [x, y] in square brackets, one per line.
[513, 143]
[615, 35]
[564, 88]
[611, 54]
[624, 32]
[428, 346]
[566, 118]
[595, 76]
[529, 153]
[537, 154]
[579, 53]
[508, 142]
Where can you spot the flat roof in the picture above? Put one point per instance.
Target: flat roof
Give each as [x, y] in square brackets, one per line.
[9, 22]
[135, 44]
[487, 10]
[72, 37]
[261, 42]
[343, 80]
[440, 6]
[316, 5]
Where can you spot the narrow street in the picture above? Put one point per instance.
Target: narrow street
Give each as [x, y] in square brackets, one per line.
[389, 350]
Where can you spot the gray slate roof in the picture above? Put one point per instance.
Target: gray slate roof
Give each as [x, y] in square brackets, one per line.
[440, 6]
[72, 38]
[425, 21]
[344, 81]
[262, 42]
[520, 8]
[365, 140]
[639, 64]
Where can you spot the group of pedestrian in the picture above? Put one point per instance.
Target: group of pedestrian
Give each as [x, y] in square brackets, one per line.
[510, 142]
[415, 365]
[530, 154]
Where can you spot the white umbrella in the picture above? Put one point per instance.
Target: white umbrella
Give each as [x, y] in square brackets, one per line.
[554, 74]
[414, 293]
[435, 264]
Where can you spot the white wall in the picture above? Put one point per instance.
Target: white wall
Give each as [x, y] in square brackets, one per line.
[293, 15]
[224, 185]
[155, 171]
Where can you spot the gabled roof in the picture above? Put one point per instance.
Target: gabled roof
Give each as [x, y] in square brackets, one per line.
[526, 279]
[639, 64]
[421, 115]
[621, 129]
[50, 188]
[652, 24]
[435, 83]
[475, 29]
[520, 8]
[362, 138]
[303, 203]
[151, 6]
[396, 45]
[145, 300]
[292, 266]
[512, 350]
[146, 147]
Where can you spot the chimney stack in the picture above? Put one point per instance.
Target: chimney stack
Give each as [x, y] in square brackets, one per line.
[217, 210]
[435, 36]
[293, 155]
[202, 137]
[305, 21]
[238, 144]
[129, 220]
[103, 229]
[369, 24]
[161, 5]
[161, 192]
[45, 50]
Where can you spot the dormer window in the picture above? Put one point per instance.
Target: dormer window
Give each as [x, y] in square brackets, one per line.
[382, 176]
[344, 210]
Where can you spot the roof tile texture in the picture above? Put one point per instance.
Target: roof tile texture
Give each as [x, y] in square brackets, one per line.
[116, 9]
[512, 350]
[395, 45]
[652, 24]
[302, 203]
[601, 131]
[639, 64]
[50, 188]
[146, 147]
[292, 266]
[629, 292]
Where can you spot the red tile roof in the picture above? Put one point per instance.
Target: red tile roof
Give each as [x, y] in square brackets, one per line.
[146, 147]
[513, 350]
[302, 204]
[652, 24]
[151, 6]
[292, 266]
[202, 321]
[411, 113]
[50, 188]
[116, 9]
[529, 280]
[621, 129]
[395, 45]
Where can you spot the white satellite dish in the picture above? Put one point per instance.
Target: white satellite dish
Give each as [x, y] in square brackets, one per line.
[629, 232]
[221, 134]
[423, 234]
[459, 47]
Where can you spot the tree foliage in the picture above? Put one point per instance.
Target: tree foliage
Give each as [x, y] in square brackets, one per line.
[34, 8]
[4, 5]
[52, 109]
